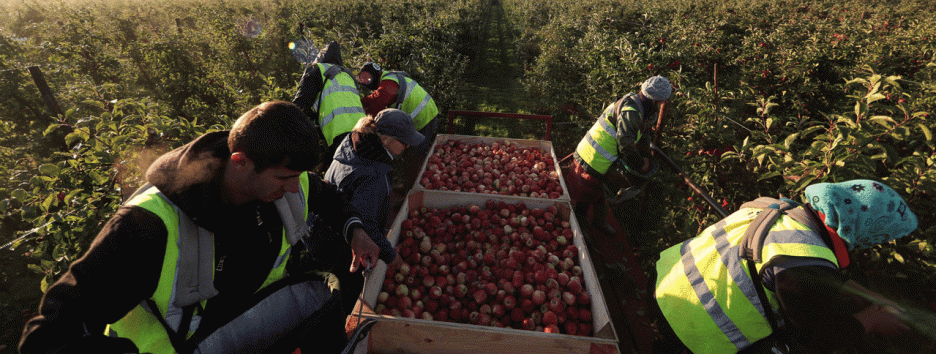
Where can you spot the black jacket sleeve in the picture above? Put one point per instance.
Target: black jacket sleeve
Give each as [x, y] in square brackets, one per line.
[812, 299]
[310, 86]
[333, 207]
[120, 269]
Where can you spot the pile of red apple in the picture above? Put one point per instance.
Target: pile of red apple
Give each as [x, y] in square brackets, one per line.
[498, 168]
[504, 265]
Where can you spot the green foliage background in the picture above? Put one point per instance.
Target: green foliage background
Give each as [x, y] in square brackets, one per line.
[771, 96]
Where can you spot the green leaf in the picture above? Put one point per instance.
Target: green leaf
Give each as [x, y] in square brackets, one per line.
[811, 129]
[769, 175]
[95, 103]
[46, 282]
[789, 140]
[71, 195]
[19, 194]
[860, 108]
[49, 169]
[803, 182]
[35, 268]
[73, 137]
[875, 96]
[47, 202]
[51, 128]
[883, 120]
[926, 132]
[857, 81]
[97, 177]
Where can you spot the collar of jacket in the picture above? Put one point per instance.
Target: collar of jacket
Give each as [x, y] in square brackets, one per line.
[364, 149]
[191, 177]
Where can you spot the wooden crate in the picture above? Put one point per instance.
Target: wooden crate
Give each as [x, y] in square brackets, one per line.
[470, 139]
[407, 335]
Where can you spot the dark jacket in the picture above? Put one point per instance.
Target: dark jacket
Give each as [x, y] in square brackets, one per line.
[362, 173]
[123, 264]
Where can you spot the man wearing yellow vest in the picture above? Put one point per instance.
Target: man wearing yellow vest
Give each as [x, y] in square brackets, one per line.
[196, 260]
[798, 298]
[618, 140]
[395, 89]
[328, 93]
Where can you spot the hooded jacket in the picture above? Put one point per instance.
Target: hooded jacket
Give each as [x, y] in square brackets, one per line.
[122, 266]
[362, 173]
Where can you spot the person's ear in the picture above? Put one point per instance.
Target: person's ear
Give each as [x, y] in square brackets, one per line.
[241, 161]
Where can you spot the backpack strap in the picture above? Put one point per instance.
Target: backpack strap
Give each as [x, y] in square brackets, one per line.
[752, 243]
[332, 71]
[401, 92]
[616, 111]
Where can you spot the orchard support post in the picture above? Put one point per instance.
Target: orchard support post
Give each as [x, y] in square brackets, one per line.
[657, 132]
[46, 92]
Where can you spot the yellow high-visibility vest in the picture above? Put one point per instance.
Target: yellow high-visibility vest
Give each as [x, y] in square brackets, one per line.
[413, 99]
[187, 275]
[705, 290]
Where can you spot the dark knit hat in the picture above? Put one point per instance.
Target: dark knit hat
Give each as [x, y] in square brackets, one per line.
[331, 54]
[374, 69]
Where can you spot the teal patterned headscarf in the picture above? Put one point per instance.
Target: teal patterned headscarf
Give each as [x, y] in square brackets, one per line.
[864, 213]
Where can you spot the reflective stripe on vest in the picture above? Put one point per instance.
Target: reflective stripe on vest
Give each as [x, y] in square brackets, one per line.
[187, 274]
[339, 104]
[416, 101]
[705, 292]
[599, 147]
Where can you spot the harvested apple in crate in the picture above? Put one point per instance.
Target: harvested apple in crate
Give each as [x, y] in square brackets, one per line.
[503, 265]
[524, 168]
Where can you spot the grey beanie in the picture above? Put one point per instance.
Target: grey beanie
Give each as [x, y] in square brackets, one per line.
[656, 88]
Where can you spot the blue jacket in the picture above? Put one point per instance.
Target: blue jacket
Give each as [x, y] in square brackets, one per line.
[367, 185]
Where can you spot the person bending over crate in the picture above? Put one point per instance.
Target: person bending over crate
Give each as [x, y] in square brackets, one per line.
[395, 89]
[360, 168]
[328, 94]
[797, 299]
[615, 153]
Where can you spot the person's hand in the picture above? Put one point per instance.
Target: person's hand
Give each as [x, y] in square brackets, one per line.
[884, 320]
[396, 263]
[363, 250]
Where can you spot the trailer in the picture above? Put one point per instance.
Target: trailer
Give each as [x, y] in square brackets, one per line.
[615, 322]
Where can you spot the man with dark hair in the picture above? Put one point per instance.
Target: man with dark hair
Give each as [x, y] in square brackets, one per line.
[196, 260]
[273, 140]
